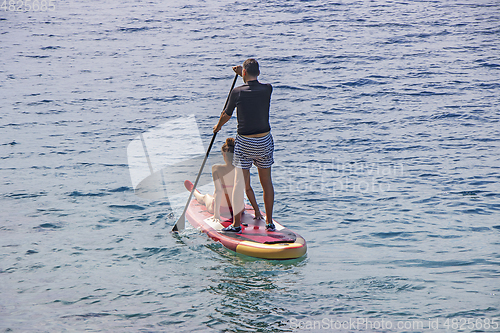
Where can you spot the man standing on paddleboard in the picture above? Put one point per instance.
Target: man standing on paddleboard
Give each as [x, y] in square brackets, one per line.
[254, 142]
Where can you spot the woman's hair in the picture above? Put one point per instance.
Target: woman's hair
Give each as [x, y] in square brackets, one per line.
[228, 146]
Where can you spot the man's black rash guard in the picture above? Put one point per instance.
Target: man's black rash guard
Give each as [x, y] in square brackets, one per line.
[252, 100]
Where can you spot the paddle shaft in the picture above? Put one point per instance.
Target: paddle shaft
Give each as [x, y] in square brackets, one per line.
[181, 221]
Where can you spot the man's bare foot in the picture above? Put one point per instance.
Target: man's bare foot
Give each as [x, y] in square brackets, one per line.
[258, 216]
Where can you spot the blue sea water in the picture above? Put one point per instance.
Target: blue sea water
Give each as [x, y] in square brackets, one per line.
[385, 116]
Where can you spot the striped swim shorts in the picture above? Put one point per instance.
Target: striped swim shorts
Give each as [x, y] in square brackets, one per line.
[258, 151]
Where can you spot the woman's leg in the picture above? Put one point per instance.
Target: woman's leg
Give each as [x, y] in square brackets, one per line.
[199, 197]
[206, 200]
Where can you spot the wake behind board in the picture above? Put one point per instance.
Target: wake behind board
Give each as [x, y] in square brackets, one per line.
[253, 240]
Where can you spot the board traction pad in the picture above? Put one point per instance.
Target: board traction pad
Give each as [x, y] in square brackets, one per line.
[254, 232]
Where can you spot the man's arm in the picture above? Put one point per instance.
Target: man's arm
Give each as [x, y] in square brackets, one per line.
[228, 111]
[224, 118]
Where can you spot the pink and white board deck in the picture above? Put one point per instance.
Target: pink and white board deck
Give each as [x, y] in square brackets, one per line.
[253, 240]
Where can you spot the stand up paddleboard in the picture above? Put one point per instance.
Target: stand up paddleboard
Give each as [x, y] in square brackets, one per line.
[253, 240]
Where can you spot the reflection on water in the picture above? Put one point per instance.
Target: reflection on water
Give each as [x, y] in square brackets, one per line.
[385, 120]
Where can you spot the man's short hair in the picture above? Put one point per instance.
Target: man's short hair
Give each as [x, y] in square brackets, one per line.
[252, 67]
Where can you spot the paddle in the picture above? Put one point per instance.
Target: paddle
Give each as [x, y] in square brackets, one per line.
[181, 221]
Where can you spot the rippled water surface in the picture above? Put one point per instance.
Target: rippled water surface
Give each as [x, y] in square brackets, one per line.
[385, 116]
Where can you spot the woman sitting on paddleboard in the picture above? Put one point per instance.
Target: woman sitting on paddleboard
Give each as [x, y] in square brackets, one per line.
[223, 176]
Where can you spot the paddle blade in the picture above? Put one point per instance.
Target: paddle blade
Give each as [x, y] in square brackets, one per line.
[181, 222]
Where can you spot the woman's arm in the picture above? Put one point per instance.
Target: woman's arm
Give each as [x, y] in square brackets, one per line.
[218, 193]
